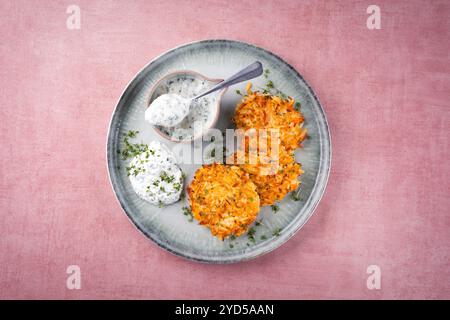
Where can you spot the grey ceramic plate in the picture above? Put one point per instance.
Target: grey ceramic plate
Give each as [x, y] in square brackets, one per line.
[168, 227]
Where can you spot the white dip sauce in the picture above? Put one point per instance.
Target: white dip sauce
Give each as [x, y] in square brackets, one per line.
[167, 110]
[202, 111]
[155, 175]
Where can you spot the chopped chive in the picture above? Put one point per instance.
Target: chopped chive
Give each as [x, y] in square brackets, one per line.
[276, 232]
[295, 196]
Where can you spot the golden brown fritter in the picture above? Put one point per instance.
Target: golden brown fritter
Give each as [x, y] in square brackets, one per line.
[259, 111]
[273, 176]
[224, 199]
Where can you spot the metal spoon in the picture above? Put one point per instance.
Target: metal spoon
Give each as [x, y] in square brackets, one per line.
[184, 106]
[252, 71]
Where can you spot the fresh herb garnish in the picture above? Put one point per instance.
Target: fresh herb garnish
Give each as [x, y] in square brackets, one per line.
[133, 170]
[275, 208]
[187, 212]
[165, 177]
[128, 169]
[177, 186]
[295, 196]
[276, 232]
[270, 87]
[131, 149]
[251, 235]
[132, 134]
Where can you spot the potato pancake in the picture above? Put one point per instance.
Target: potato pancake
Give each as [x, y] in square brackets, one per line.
[274, 176]
[224, 199]
[258, 111]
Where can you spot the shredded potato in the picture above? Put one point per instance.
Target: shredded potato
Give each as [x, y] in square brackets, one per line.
[224, 199]
[274, 176]
[227, 198]
[259, 111]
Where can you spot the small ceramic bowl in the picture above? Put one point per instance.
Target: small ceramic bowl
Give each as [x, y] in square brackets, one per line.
[161, 87]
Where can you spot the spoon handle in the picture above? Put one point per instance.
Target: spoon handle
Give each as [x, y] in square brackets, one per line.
[252, 71]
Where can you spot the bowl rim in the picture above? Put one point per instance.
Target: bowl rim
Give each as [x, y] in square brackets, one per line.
[197, 75]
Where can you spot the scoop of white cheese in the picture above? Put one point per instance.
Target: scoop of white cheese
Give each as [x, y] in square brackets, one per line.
[167, 110]
[155, 176]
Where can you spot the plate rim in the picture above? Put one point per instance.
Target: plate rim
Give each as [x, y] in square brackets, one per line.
[277, 242]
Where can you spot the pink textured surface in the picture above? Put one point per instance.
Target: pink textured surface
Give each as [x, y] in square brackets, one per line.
[386, 94]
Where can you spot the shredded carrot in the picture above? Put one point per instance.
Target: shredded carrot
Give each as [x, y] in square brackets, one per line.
[259, 110]
[224, 199]
[274, 175]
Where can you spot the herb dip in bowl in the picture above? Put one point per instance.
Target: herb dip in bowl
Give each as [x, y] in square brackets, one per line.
[205, 111]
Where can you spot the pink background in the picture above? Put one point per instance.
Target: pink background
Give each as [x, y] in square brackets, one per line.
[386, 94]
